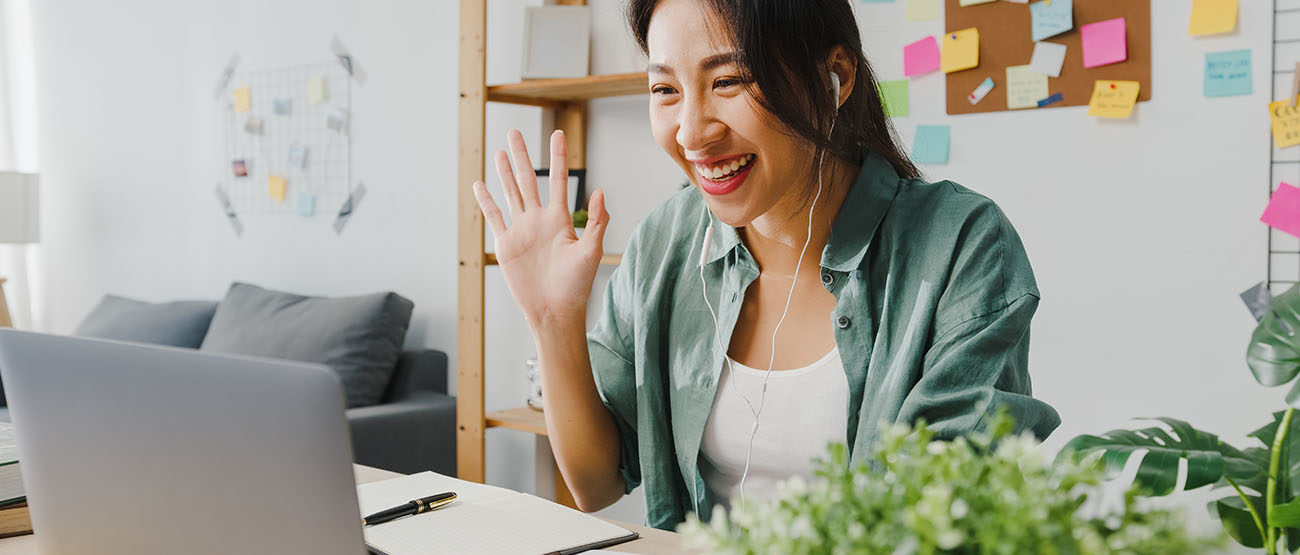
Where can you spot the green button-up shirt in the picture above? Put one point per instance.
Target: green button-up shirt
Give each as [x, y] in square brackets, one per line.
[934, 295]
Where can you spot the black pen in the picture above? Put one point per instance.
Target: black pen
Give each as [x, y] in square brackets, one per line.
[412, 507]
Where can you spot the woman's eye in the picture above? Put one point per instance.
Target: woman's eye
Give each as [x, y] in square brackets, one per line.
[662, 90]
[725, 82]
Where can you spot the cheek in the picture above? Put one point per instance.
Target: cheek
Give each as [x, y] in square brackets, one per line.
[664, 128]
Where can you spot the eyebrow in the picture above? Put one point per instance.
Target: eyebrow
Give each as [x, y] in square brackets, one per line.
[705, 64]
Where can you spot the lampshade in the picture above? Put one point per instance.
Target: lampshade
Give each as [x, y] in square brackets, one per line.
[19, 208]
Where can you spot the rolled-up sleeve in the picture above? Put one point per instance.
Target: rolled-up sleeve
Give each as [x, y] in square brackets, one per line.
[612, 354]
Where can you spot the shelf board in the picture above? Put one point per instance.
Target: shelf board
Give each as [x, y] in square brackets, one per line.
[608, 259]
[551, 92]
[524, 419]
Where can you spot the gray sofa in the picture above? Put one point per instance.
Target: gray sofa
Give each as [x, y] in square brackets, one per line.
[399, 411]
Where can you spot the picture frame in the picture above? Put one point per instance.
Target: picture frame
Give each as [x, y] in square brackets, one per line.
[556, 42]
[577, 187]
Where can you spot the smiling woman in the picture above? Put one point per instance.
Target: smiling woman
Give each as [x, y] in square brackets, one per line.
[809, 256]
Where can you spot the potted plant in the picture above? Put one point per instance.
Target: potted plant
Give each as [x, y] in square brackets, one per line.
[1260, 508]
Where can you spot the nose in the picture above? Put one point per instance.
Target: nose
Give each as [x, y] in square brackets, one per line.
[698, 125]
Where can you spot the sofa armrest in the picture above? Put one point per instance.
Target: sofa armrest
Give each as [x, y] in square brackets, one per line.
[423, 370]
[414, 434]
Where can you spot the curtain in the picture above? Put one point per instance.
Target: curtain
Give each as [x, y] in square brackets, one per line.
[19, 264]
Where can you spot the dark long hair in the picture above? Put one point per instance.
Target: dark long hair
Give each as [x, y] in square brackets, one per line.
[783, 46]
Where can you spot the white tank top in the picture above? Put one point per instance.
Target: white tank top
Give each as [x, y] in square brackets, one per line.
[805, 409]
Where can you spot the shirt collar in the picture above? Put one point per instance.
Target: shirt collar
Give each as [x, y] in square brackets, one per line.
[863, 210]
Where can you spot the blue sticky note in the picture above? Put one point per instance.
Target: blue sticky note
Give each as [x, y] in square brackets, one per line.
[1227, 73]
[306, 205]
[1050, 18]
[931, 144]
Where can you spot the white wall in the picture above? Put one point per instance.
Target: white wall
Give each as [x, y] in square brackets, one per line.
[1141, 232]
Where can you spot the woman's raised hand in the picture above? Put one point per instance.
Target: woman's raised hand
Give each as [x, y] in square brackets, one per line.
[548, 268]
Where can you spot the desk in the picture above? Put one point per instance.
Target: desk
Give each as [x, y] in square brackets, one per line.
[652, 541]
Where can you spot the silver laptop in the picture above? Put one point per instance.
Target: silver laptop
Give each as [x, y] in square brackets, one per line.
[139, 449]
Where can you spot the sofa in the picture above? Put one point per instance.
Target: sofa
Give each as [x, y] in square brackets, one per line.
[399, 412]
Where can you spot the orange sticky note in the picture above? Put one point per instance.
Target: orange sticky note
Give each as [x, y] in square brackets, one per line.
[961, 50]
[1113, 99]
[1210, 17]
[243, 99]
[1286, 123]
[277, 186]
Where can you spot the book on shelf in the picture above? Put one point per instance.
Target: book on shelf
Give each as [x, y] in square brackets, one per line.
[14, 519]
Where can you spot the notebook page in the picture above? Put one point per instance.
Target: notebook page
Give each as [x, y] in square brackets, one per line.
[485, 519]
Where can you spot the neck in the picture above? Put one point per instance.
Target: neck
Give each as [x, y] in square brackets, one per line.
[776, 237]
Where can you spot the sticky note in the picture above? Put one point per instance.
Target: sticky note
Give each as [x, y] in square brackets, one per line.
[276, 186]
[1017, 1]
[931, 144]
[282, 106]
[1048, 58]
[243, 99]
[1051, 100]
[1025, 87]
[297, 155]
[973, 2]
[306, 204]
[316, 90]
[1049, 18]
[1104, 42]
[1283, 210]
[961, 50]
[1286, 123]
[921, 10]
[1113, 99]
[253, 126]
[1227, 73]
[980, 91]
[337, 119]
[1210, 17]
[921, 57]
[894, 94]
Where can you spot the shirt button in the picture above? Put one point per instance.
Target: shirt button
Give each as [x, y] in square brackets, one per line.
[842, 322]
[827, 278]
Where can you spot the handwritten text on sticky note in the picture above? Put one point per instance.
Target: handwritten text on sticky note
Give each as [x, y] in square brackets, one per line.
[1286, 123]
[1049, 18]
[1025, 87]
[1227, 73]
[1113, 99]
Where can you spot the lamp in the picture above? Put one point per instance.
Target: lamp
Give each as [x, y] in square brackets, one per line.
[19, 220]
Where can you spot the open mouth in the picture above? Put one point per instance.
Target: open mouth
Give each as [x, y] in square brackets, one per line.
[723, 176]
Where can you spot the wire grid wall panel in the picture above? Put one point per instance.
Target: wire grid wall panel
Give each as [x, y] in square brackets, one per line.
[1284, 163]
[326, 169]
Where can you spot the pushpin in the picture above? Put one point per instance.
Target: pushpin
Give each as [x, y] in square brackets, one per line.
[954, 36]
[1047, 3]
[1112, 85]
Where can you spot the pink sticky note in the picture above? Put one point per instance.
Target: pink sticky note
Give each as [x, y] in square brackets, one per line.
[1104, 42]
[1283, 211]
[921, 57]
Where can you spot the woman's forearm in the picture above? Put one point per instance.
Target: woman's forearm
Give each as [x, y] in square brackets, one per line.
[581, 430]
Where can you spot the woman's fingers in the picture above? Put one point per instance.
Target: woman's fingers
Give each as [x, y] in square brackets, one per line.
[526, 177]
[597, 220]
[489, 207]
[513, 200]
[559, 171]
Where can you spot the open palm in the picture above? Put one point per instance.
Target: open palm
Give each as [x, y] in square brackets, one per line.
[548, 268]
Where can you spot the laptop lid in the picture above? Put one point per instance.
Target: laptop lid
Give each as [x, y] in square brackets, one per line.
[129, 448]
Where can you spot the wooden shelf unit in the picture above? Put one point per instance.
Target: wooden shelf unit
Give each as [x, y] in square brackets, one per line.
[568, 98]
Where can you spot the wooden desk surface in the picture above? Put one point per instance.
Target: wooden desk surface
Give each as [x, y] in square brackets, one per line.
[652, 541]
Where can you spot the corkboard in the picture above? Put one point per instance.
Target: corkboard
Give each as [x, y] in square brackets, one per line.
[1004, 41]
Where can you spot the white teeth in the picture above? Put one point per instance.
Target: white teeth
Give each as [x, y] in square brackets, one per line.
[717, 172]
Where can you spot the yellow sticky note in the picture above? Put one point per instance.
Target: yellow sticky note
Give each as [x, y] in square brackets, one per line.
[1210, 17]
[316, 90]
[1025, 87]
[921, 10]
[1286, 123]
[243, 99]
[961, 50]
[1113, 99]
[277, 186]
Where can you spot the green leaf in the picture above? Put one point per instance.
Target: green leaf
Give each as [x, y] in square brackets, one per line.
[1286, 515]
[1232, 513]
[1208, 458]
[1274, 351]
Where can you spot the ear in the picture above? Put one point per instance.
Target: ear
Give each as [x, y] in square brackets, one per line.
[846, 66]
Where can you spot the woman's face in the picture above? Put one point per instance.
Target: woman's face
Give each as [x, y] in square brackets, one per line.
[703, 118]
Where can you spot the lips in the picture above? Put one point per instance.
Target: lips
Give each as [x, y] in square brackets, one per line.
[723, 175]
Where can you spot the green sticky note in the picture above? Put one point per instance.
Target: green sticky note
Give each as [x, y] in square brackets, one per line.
[931, 144]
[895, 97]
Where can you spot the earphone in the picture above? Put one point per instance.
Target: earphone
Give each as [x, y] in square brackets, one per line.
[706, 244]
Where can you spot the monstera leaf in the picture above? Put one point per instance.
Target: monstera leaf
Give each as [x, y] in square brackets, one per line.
[1274, 352]
[1209, 459]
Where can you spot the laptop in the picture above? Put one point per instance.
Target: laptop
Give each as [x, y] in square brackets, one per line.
[139, 449]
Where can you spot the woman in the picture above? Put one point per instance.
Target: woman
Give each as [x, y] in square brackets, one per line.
[808, 287]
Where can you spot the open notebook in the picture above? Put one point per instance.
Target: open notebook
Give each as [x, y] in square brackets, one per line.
[483, 519]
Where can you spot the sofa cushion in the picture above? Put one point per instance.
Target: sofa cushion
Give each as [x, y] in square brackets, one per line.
[178, 324]
[359, 337]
